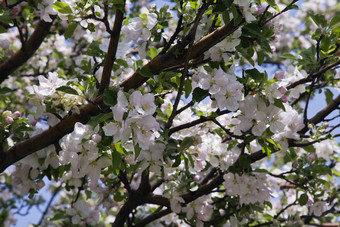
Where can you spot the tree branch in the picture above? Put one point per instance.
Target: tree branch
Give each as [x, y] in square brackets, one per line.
[312, 76]
[50, 136]
[169, 59]
[21, 56]
[135, 199]
[153, 217]
[323, 113]
[111, 53]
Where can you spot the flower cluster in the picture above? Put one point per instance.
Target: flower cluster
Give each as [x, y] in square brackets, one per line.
[62, 100]
[223, 87]
[216, 135]
[250, 189]
[79, 149]
[134, 116]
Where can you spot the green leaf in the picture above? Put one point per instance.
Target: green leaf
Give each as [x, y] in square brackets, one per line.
[67, 90]
[93, 50]
[122, 63]
[237, 17]
[100, 118]
[322, 169]
[336, 173]
[5, 90]
[303, 199]
[187, 142]
[116, 159]
[187, 88]
[278, 103]
[275, 144]
[62, 7]
[110, 97]
[152, 52]
[269, 204]
[273, 4]
[309, 148]
[288, 56]
[256, 75]
[319, 19]
[119, 148]
[260, 57]
[191, 160]
[329, 96]
[253, 29]
[199, 94]
[177, 161]
[145, 72]
[70, 30]
[58, 216]
[232, 144]
[193, 186]
[244, 161]
[335, 21]
[265, 148]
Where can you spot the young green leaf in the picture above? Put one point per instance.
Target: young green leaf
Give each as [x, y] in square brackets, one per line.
[62, 7]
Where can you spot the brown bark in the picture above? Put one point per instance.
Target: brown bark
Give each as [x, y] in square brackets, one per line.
[170, 59]
[55, 133]
[31, 46]
[111, 53]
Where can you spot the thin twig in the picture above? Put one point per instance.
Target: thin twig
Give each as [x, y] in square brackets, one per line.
[310, 77]
[195, 122]
[56, 191]
[21, 34]
[191, 37]
[173, 37]
[282, 11]
[153, 217]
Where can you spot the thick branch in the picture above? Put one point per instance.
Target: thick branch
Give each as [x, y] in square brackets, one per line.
[21, 56]
[169, 59]
[48, 137]
[111, 53]
[136, 198]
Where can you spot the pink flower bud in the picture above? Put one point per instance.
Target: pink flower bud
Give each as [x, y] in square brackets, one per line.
[9, 120]
[310, 202]
[260, 10]
[295, 164]
[33, 122]
[96, 138]
[17, 114]
[200, 164]
[273, 48]
[278, 26]
[103, 179]
[282, 90]
[15, 11]
[326, 124]
[284, 98]
[310, 157]
[197, 178]
[280, 74]
[4, 44]
[269, 23]
[16, 181]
